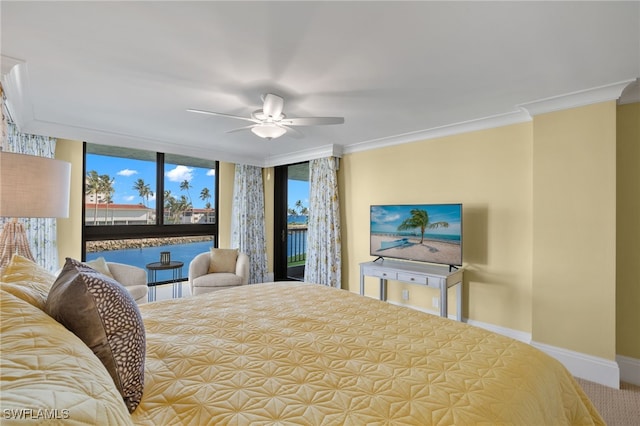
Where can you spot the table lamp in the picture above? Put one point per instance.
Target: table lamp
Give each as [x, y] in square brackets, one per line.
[30, 186]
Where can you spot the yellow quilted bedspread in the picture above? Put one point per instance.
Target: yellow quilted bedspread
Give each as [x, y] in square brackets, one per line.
[306, 354]
[49, 376]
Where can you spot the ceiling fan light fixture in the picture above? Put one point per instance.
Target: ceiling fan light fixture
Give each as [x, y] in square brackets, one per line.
[268, 131]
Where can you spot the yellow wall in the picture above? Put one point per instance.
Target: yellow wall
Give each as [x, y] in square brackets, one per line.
[70, 229]
[225, 192]
[628, 233]
[489, 172]
[574, 229]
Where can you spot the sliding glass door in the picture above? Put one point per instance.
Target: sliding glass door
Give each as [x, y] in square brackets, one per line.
[291, 218]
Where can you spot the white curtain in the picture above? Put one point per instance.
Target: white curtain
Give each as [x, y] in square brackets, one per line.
[247, 220]
[41, 232]
[323, 236]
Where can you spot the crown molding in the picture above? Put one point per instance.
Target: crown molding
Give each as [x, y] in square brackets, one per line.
[494, 121]
[15, 83]
[576, 99]
[305, 155]
[631, 93]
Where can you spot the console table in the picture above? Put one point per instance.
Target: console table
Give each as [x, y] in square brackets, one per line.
[434, 276]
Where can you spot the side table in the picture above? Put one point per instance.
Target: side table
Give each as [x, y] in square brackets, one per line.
[176, 268]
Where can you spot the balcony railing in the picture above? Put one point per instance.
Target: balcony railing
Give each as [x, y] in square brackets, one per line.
[296, 245]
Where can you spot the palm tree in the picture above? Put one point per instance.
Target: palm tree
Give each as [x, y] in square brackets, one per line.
[185, 186]
[420, 219]
[169, 203]
[144, 190]
[106, 188]
[205, 195]
[182, 205]
[93, 188]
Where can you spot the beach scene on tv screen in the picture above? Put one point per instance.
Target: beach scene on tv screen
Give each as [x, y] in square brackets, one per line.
[421, 232]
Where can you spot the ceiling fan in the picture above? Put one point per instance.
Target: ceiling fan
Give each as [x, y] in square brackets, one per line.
[270, 122]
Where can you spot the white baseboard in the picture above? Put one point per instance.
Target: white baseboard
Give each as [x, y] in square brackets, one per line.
[588, 367]
[629, 369]
[508, 332]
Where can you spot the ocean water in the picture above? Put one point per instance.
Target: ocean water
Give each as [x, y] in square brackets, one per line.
[179, 252]
[141, 256]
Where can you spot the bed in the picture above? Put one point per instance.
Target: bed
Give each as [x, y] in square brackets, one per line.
[273, 353]
[288, 353]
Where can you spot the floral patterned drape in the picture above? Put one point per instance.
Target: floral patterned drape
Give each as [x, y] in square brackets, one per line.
[247, 220]
[41, 232]
[323, 236]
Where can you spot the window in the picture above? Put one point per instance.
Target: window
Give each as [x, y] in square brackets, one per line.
[139, 203]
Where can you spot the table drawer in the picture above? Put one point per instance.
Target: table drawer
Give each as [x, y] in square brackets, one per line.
[412, 278]
[381, 273]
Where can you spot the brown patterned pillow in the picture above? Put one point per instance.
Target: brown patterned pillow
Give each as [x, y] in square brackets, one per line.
[102, 313]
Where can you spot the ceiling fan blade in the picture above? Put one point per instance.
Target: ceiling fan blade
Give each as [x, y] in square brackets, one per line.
[240, 129]
[312, 121]
[273, 105]
[219, 114]
[295, 133]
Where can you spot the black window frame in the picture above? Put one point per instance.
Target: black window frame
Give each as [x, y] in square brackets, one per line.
[157, 230]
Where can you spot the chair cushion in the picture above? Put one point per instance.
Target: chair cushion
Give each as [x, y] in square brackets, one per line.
[102, 313]
[217, 280]
[223, 260]
[100, 265]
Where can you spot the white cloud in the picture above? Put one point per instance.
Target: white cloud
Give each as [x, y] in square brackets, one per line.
[180, 173]
[127, 172]
[211, 172]
[130, 198]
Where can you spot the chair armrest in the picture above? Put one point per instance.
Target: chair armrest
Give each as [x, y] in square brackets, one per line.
[242, 267]
[199, 266]
[127, 275]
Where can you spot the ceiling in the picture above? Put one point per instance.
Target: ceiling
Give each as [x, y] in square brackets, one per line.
[124, 73]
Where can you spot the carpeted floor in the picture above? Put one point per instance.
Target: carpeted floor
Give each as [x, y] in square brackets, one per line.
[618, 407]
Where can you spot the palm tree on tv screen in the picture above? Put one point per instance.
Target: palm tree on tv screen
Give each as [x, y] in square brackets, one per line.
[420, 219]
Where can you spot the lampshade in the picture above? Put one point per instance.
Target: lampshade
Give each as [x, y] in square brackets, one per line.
[268, 130]
[33, 186]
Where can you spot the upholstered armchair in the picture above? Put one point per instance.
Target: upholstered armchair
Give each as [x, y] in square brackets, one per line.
[218, 269]
[133, 278]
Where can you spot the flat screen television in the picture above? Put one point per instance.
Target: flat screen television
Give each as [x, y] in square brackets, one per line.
[419, 232]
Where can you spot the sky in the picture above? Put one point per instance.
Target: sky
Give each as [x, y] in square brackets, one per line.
[127, 171]
[298, 190]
